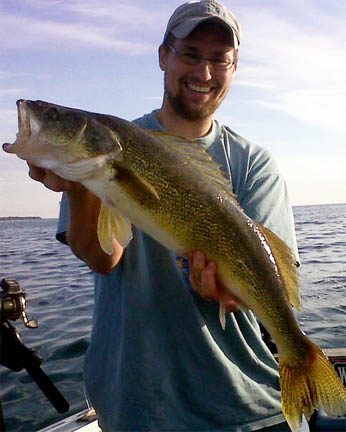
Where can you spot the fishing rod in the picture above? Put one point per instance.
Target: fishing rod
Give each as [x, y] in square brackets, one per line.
[14, 355]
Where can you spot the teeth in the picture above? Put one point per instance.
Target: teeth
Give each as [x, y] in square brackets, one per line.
[24, 123]
[199, 88]
[34, 125]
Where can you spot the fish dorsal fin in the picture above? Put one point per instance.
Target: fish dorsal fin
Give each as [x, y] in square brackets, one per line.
[287, 266]
[112, 224]
[199, 159]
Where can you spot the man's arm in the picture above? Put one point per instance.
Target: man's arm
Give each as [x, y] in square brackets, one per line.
[82, 236]
[82, 229]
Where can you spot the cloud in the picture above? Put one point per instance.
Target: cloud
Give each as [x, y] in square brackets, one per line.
[254, 83]
[8, 114]
[301, 67]
[11, 92]
[50, 32]
[122, 12]
[324, 108]
[8, 125]
[154, 98]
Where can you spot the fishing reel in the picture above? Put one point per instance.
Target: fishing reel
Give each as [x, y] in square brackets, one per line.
[14, 355]
[13, 303]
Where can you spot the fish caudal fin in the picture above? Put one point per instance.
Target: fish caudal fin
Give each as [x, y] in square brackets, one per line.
[311, 385]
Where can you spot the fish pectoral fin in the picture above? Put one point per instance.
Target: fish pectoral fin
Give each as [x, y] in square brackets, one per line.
[146, 188]
[112, 224]
[287, 266]
[81, 169]
[134, 184]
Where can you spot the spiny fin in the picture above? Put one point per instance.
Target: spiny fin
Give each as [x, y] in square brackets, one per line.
[95, 134]
[287, 266]
[80, 134]
[197, 155]
[222, 314]
[310, 384]
[222, 311]
[112, 225]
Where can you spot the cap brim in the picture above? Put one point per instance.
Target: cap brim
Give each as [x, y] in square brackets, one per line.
[183, 29]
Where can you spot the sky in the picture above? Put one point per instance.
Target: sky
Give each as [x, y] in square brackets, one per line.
[288, 95]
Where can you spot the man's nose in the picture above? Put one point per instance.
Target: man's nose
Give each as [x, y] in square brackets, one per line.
[203, 71]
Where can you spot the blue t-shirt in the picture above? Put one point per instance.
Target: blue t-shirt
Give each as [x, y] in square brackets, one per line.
[159, 359]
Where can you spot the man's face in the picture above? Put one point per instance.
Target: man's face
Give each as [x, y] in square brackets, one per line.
[196, 91]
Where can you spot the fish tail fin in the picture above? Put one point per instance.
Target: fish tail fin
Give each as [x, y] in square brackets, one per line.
[309, 385]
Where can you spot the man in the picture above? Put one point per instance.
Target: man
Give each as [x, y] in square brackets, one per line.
[159, 359]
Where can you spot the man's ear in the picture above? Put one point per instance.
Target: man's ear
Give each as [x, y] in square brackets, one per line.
[162, 57]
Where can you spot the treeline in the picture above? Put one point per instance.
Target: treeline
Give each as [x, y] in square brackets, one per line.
[19, 218]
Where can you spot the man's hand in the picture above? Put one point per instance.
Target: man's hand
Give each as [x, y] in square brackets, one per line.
[203, 281]
[51, 180]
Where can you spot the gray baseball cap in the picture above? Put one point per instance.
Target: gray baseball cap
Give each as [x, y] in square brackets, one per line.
[189, 15]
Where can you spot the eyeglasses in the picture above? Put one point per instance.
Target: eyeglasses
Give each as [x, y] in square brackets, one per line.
[192, 59]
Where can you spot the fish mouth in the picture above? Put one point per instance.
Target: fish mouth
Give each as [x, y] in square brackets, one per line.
[24, 129]
[26, 125]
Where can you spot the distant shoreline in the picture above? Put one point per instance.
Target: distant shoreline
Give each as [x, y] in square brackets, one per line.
[10, 218]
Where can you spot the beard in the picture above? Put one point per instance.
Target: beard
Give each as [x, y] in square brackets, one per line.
[181, 106]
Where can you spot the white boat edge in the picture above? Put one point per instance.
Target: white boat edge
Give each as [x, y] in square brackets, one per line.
[76, 422]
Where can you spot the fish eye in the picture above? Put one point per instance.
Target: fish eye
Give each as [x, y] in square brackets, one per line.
[52, 113]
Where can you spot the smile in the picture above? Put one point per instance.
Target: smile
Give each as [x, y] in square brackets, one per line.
[198, 88]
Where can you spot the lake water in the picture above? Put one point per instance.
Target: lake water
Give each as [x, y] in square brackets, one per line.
[60, 296]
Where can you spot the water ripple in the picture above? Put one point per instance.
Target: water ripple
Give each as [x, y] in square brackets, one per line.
[60, 295]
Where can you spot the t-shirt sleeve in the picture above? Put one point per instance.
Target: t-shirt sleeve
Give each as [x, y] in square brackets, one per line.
[262, 191]
[267, 202]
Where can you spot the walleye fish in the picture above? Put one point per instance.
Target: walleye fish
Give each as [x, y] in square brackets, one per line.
[171, 189]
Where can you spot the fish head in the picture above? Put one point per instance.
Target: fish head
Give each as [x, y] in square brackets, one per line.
[50, 135]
